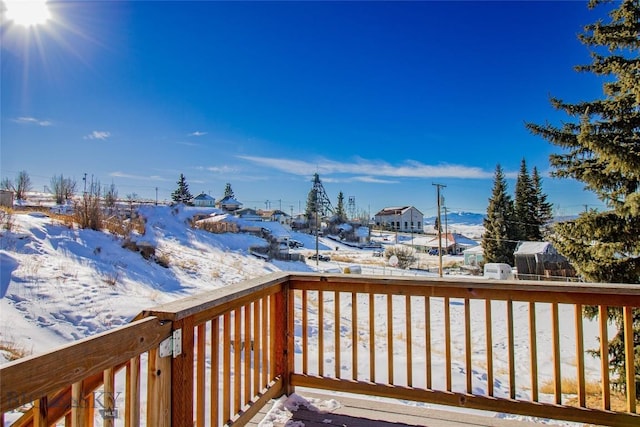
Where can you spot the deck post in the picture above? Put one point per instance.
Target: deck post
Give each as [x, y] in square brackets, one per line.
[182, 377]
[283, 336]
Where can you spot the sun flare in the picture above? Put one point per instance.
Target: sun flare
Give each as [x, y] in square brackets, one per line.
[28, 13]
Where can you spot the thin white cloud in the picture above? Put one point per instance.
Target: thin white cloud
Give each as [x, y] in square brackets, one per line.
[188, 144]
[32, 121]
[369, 169]
[222, 169]
[118, 174]
[98, 134]
[197, 133]
[374, 180]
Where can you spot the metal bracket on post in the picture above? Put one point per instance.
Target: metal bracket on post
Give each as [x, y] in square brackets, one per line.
[172, 346]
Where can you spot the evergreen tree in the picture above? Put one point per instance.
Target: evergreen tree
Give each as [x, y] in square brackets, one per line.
[182, 194]
[228, 192]
[543, 209]
[340, 212]
[524, 207]
[312, 205]
[498, 240]
[601, 148]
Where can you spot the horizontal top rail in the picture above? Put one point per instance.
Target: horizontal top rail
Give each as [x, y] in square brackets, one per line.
[206, 305]
[515, 290]
[29, 378]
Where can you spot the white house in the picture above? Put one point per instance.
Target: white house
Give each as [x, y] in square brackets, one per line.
[400, 218]
[205, 200]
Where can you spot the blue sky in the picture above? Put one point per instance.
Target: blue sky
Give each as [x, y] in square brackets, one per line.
[382, 99]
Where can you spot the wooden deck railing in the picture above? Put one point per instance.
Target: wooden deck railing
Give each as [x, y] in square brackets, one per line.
[219, 357]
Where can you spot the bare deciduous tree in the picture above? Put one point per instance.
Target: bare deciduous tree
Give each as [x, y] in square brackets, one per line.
[87, 211]
[20, 186]
[111, 196]
[23, 184]
[63, 188]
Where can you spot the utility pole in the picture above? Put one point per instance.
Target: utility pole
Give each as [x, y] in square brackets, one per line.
[438, 187]
[446, 228]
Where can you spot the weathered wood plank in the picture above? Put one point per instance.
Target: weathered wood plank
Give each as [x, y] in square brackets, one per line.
[205, 306]
[73, 362]
[463, 400]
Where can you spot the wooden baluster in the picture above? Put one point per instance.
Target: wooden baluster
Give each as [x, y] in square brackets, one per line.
[200, 383]
[427, 340]
[247, 354]
[336, 333]
[390, 380]
[226, 369]
[40, 413]
[489, 334]
[580, 356]
[214, 412]
[629, 352]
[372, 339]
[320, 333]
[604, 356]
[447, 343]
[237, 368]
[533, 351]
[109, 402]
[159, 390]
[354, 334]
[409, 344]
[305, 336]
[511, 344]
[555, 332]
[467, 343]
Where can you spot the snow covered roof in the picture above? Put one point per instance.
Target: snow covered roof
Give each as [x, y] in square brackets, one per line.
[229, 201]
[203, 196]
[530, 248]
[474, 250]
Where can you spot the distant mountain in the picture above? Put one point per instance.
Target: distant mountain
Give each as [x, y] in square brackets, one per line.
[464, 218]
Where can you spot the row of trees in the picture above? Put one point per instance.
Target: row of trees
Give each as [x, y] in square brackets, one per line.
[64, 189]
[525, 217]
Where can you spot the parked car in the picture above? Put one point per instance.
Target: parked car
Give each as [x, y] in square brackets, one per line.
[295, 244]
[320, 257]
[378, 253]
[433, 252]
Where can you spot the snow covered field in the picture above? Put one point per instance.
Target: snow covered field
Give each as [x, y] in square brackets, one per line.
[60, 284]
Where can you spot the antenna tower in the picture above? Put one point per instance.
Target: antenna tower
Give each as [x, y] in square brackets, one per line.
[351, 207]
[324, 204]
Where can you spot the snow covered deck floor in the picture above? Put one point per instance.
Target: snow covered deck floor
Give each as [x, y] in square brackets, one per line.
[313, 410]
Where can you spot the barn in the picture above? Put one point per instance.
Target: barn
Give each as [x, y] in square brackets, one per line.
[541, 261]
